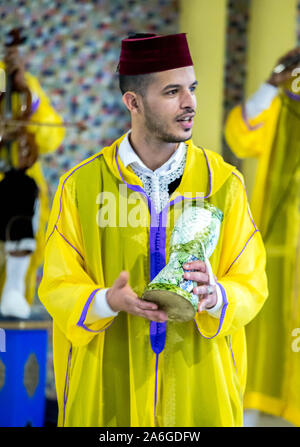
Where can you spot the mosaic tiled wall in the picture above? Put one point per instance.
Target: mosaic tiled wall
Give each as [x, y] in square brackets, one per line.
[235, 66]
[73, 48]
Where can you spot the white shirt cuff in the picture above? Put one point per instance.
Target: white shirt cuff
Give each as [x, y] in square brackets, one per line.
[261, 100]
[216, 310]
[100, 308]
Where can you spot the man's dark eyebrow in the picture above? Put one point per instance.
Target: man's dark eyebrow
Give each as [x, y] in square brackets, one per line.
[173, 86]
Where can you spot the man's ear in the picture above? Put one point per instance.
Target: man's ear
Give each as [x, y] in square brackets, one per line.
[131, 101]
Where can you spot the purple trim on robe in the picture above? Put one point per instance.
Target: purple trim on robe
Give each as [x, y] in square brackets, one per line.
[135, 188]
[158, 336]
[68, 242]
[62, 188]
[35, 104]
[245, 119]
[138, 188]
[158, 331]
[156, 374]
[292, 95]
[234, 363]
[210, 176]
[158, 231]
[66, 389]
[231, 350]
[84, 312]
[223, 312]
[253, 223]
[249, 213]
[255, 231]
[80, 323]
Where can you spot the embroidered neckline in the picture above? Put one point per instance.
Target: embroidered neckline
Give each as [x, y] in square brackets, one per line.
[156, 184]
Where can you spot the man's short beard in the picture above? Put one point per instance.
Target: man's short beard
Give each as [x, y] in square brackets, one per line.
[157, 129]
[167, 138]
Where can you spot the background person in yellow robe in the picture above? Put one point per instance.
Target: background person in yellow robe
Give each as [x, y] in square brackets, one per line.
[23, 256]
[268, 127]
[117, 360]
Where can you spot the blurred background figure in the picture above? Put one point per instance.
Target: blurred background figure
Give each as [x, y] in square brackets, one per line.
[23, 191]
[268, 127]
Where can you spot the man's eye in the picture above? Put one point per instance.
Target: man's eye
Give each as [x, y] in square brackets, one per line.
[192, 89]
[172, 92]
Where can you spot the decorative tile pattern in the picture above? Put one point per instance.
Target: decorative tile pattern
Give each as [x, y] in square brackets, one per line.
[235, 61]
[73, 48]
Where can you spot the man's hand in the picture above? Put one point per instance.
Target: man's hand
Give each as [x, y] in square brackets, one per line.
[277, 79]
[120, 297]
[15, 66]
[207, 293]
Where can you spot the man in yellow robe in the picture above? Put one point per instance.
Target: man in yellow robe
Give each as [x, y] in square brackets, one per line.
[24, 193]
[118, 360]
[268, 127]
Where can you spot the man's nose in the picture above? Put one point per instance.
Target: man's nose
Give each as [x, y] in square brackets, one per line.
[188, 100]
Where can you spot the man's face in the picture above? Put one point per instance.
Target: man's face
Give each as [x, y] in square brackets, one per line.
[170, 104]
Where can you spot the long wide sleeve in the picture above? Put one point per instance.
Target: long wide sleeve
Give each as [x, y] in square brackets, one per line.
[47, 138]
[66, 290]
[241, 271]
[251, 137]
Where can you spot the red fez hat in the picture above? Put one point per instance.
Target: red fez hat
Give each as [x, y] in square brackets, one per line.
[150, 54]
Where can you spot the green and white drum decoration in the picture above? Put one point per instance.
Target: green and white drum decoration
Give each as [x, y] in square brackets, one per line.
[194, 237]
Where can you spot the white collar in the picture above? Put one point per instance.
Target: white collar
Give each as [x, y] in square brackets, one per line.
[129, 156]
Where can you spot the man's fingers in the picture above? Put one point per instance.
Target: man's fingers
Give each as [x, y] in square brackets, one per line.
[200, 273]
[195, 265]
[121, 281]
[206, 289]
[158, 316]
[197, 276]
[146, 309]
[206, 303]
[129, 302]
[146, 305]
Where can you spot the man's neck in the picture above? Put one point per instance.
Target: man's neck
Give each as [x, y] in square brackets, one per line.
[152, 152]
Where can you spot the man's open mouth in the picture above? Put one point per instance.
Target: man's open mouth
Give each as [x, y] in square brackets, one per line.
[186, 121]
